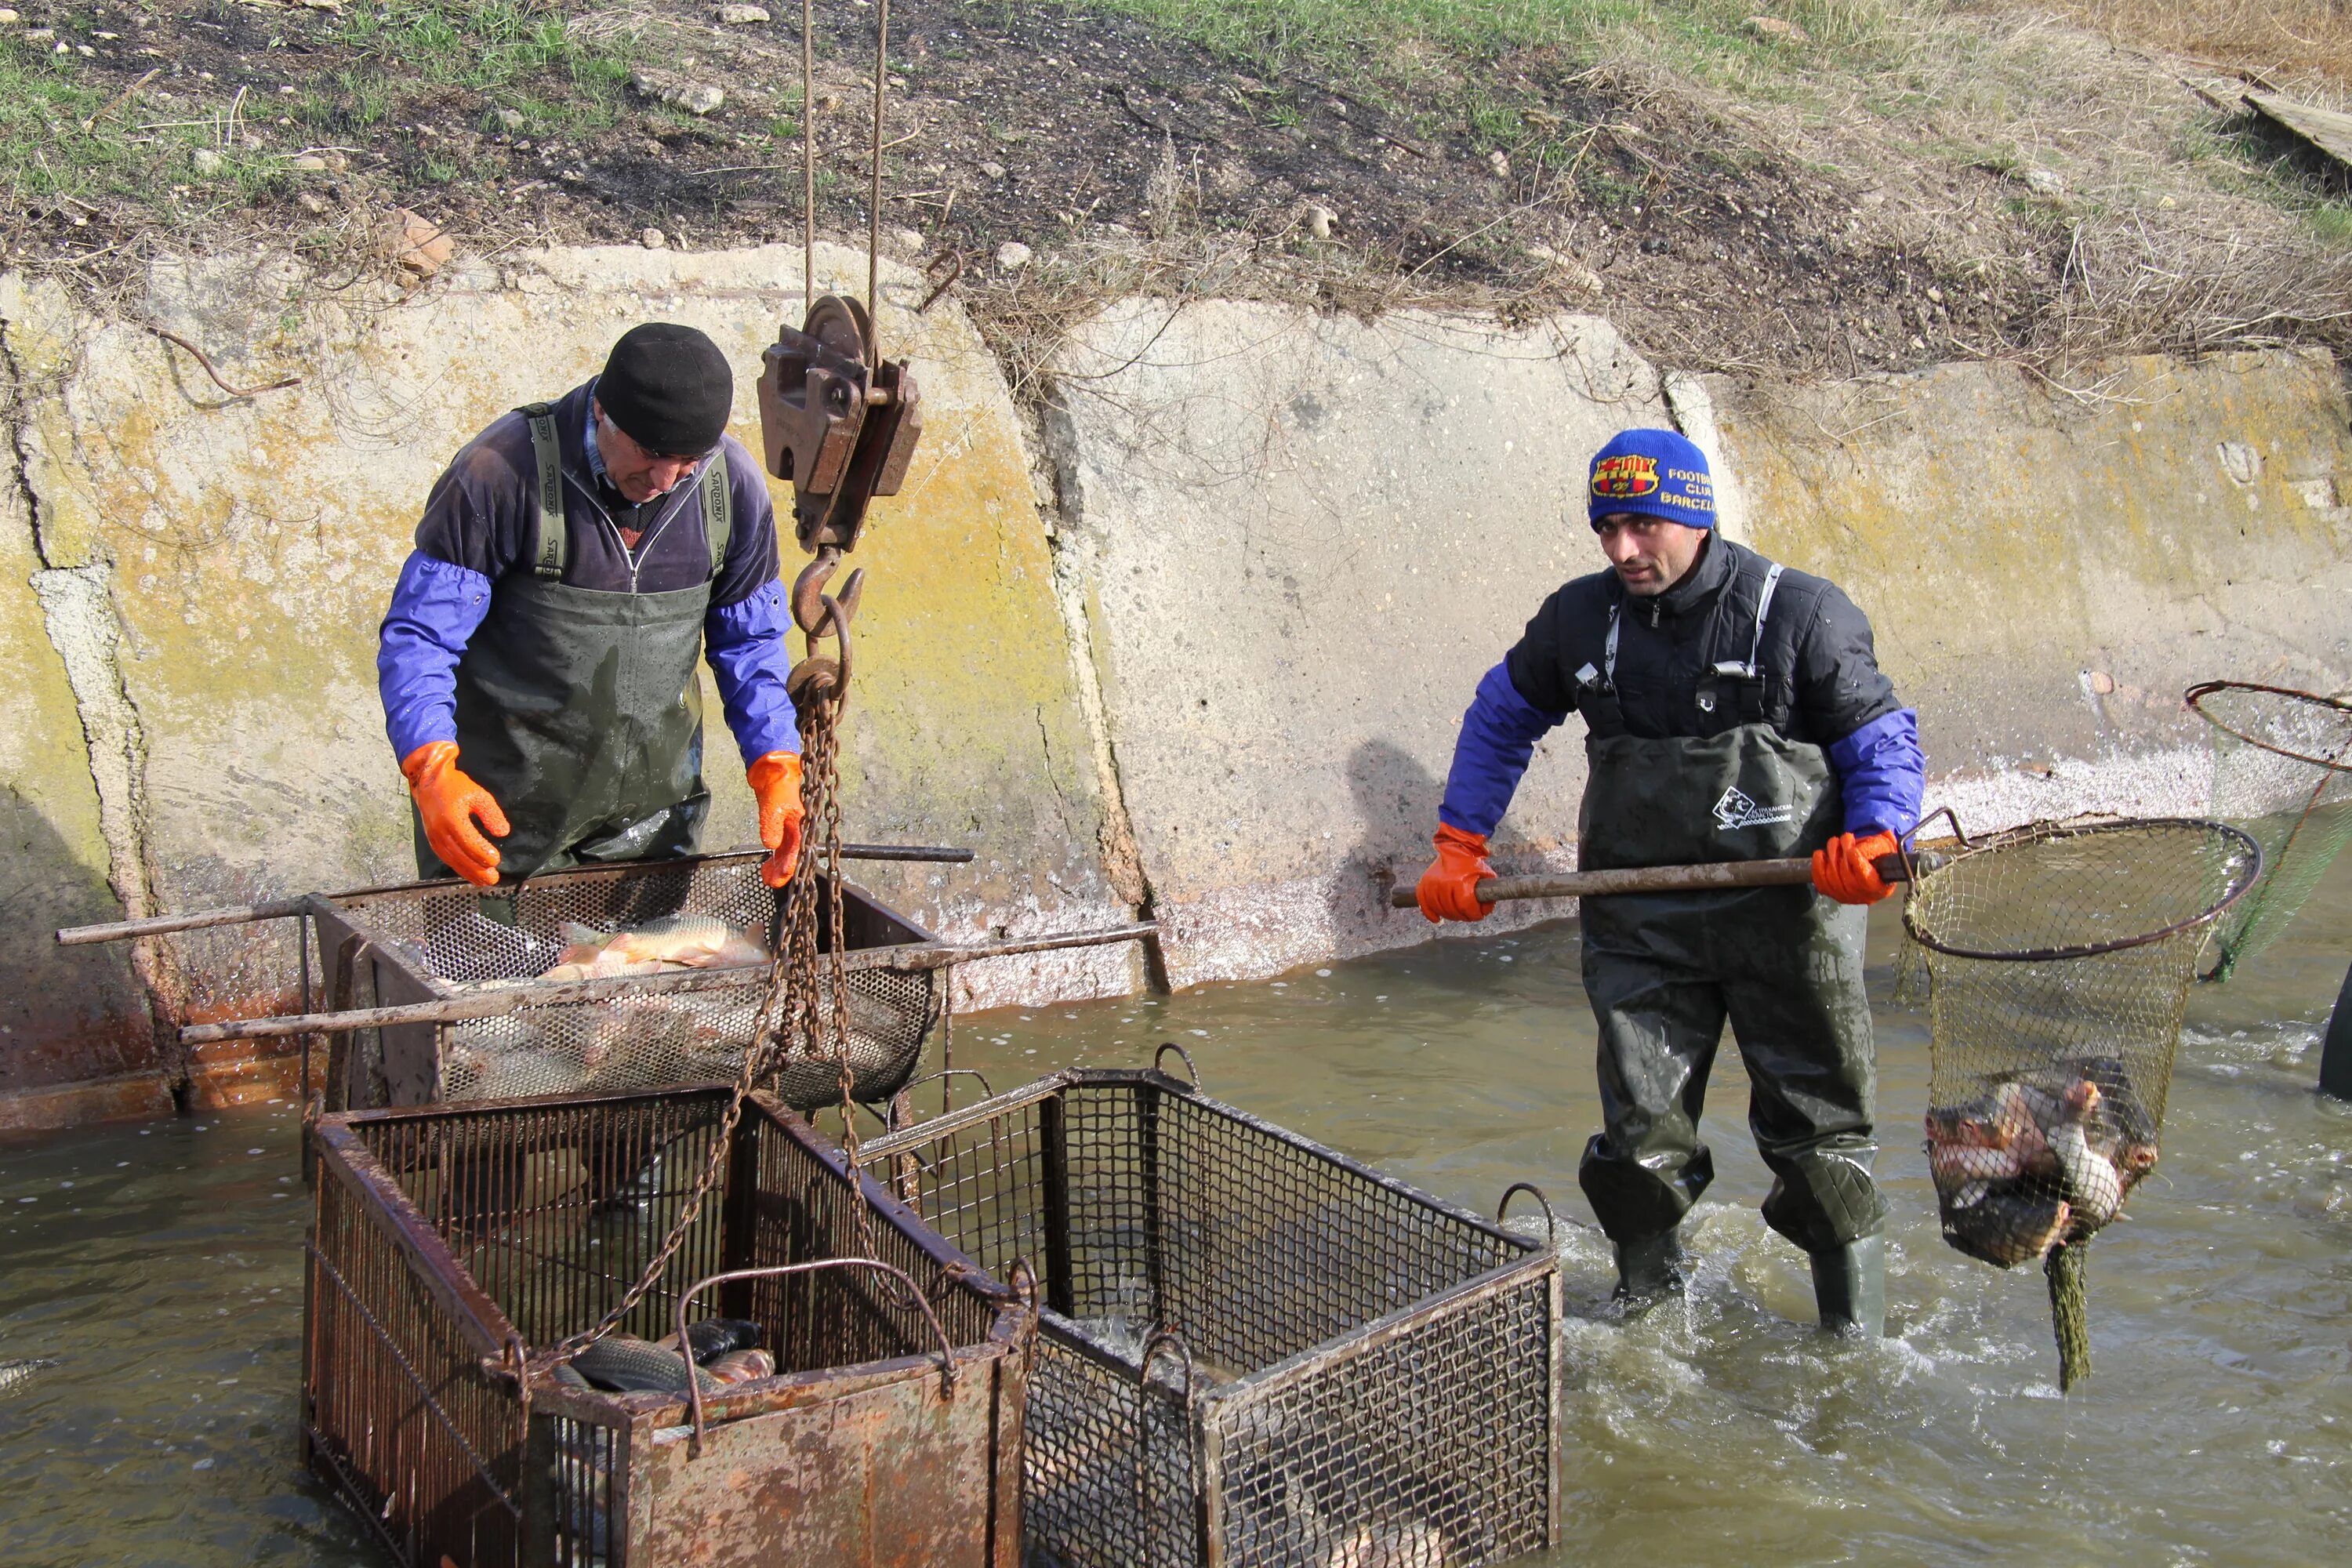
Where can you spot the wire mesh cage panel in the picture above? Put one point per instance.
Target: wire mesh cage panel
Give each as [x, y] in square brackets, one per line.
[2059, 962]
[450, 1244]
[2282, 773]
[1256, 1351]
[444, 941]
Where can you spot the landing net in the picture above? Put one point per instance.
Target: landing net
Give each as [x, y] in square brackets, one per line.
[2059, 961]
[2283, 772]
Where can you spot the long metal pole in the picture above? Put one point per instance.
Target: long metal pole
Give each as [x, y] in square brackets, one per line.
[1786, 873]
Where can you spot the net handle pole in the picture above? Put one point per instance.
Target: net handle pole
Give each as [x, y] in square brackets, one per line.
[1794, 872]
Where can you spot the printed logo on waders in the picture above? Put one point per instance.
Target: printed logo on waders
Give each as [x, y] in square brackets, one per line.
[1735, 811]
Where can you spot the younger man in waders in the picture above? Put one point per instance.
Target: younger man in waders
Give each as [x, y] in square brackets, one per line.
[537, 661]
[1734, 711]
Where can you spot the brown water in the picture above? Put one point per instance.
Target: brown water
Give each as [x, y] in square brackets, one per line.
[160, 1265]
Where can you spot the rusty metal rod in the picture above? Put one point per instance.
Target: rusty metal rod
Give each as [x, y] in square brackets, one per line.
[497, 999]
[284, 909]
[1789, 873]
[908, 960]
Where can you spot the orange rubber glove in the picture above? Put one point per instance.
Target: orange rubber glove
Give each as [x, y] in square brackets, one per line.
[1448, 890]
[776, 781]
[1846, 868]
[449, 803]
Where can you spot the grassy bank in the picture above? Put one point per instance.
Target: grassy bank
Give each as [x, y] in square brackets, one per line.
[1806, 184]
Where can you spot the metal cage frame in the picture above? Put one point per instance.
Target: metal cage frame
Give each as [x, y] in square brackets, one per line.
[447, 1240]
[1338, 1368]
[371, 957]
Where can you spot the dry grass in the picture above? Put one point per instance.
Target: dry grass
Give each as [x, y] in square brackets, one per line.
[2283, 40]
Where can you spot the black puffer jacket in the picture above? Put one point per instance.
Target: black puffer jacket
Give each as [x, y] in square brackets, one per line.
[1821, 676]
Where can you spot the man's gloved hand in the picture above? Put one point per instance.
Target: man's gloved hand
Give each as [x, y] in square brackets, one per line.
[1846, 868]
[1448, 890]
[449, 803]
[776, 781]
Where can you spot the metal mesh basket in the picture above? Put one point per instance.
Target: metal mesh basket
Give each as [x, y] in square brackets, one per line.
[2283, 772]
[2059, 961]
[441, 940]
[1256, 1351]
[448, 1243]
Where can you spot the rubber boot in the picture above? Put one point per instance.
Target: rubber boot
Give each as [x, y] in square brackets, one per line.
[1648, 1272]
[1850, 1287]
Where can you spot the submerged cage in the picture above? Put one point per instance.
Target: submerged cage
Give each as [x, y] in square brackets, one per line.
[2283, 774]
[1254, 1350]
[444, 941]
[451, 1243]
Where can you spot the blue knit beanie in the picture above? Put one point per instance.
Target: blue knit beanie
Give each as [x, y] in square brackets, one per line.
[1652, 471]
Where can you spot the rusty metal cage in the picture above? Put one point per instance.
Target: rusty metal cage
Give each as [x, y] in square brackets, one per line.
[448, 1243]
[446, 941]
[1254, 1351]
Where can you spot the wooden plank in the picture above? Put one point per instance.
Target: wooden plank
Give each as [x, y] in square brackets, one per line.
[2325, 129]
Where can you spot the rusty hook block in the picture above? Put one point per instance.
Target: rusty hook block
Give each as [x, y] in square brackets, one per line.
[842, 430]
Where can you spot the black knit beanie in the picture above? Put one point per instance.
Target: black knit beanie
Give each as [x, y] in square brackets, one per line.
[669, 388]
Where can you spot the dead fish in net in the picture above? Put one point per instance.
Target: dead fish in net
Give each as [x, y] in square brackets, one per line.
[674, 942]
[623, 1365]
[2120, 1127]
[2093, 1187]
[1994, 1137]
[742, 1366]
[2005, 1225]
[15, 1374]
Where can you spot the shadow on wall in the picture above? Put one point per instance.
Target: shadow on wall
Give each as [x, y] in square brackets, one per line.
[66, 1014]
[1395, 797]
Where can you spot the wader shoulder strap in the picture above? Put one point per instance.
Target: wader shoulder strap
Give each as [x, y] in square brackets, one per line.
[550, 552]
[718, 509]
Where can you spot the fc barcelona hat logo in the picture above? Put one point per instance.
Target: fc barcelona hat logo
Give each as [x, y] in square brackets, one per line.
[1626, 474]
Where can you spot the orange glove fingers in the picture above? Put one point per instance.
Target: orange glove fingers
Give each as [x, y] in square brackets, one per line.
[1448, 890]
[449, 803]
[1846, 869]
[777, 869]
[776, 782]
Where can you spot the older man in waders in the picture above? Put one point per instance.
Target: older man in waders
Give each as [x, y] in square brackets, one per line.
[1734, 711]
[537, 661]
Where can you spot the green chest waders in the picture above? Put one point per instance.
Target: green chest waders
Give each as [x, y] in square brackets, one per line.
[1664, 970]
[580, 709]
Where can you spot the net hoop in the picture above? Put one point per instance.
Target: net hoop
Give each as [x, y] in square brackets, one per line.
[2195, 695]
[2247, 870]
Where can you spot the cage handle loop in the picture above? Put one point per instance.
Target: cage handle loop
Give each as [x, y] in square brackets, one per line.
[1916, 864]
[1551, 1220]
[1170, 1341]
[1161, 1054]
[1023, 1280]
[694, 1383]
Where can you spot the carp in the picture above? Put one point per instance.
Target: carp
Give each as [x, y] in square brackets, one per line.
[673, 941]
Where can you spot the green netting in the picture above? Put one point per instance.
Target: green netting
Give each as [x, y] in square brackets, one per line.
[2283, 772]
[2059, 961]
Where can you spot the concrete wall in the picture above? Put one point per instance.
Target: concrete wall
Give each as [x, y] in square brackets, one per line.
[1298, 542]
[211, 571]
[2048, 570]
[1216, 674]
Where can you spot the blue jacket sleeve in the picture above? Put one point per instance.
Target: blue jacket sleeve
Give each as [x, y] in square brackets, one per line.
[435, 607]
[745, 644]
[1499, 736]
[1883, 774]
